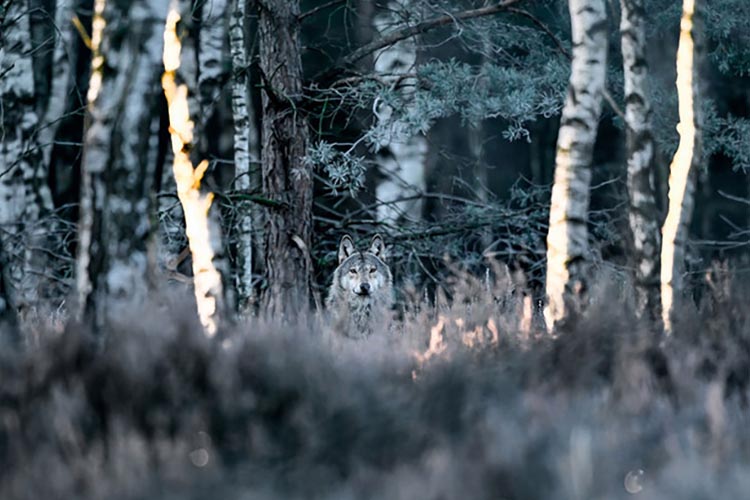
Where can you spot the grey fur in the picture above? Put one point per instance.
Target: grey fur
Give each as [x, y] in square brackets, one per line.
[362, 287]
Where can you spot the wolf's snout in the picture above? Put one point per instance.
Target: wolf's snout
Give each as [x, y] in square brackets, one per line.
[364, 289]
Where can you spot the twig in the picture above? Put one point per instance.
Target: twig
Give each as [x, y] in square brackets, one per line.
[317, 9]
[733, 197]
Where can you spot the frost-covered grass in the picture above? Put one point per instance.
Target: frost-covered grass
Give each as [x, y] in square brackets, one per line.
[461, 400]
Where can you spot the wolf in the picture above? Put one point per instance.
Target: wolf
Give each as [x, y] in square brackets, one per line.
[362, 288]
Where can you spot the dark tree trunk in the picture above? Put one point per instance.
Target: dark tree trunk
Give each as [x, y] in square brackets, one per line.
[286, 178]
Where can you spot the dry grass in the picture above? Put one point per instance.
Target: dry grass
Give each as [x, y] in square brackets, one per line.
[464, 398]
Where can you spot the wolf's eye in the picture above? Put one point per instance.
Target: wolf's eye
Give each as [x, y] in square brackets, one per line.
[352, 271]
[372, 270]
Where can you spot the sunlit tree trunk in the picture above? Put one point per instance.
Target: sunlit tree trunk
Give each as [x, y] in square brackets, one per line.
[567, 240]
[24, 195]
[203, 231]
[643, 215]
[116, 175]
[401, 156]
[286, 178]
[684, 164]
[245, 152]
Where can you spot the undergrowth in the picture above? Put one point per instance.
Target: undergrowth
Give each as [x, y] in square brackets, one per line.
[464, 397]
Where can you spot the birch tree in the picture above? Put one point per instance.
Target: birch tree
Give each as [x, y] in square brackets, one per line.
[116, 176]
[685, 162]
[203, 231]
[211, 56]
[287, 179]
[401, 155]
[643, 215]
[25, 198]
[567, 239]
[64, 59]
[245, 151]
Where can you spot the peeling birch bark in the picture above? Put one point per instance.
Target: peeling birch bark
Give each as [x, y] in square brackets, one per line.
[401, 156]
[245, 152]
[203, 234]
[117, 175]
[643, 215]
[286, 178]
[567, 239]
[684, 165]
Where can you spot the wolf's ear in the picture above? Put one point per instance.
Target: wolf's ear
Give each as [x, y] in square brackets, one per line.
[377, 247]
[346, 248]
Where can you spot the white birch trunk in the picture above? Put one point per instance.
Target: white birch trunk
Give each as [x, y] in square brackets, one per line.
[643, 215]
[212, 55]
[567, 240]
[684, 165]
[203, 233]
[24, 196]
[63, 61]
[401, 157]
[211, 45]
[245, 152]
[117, 174]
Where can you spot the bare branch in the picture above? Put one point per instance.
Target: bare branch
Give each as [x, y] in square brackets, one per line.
[317, 9]
[419, 28]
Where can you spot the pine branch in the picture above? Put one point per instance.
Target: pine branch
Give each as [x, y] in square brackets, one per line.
[424, 26]
[607, 96]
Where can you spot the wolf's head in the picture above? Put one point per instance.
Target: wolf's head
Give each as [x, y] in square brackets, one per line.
[363, 275]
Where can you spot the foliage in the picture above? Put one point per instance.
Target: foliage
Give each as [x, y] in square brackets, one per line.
[343, 169]
[517, 94]
[732, 140]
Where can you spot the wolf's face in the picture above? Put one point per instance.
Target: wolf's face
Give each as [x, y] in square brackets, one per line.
[363, 275]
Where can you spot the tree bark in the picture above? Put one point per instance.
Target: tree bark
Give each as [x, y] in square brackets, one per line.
[685, 163]
[117, 177]
[401, 156]
[211, 52]
[286, 178]
[203, 230]
[567, 240]
[212, 76]
[245, 153]
[643, 214]
[64, 59]
[25, 200]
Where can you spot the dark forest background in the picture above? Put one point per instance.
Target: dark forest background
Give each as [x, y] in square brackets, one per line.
[489, 94]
